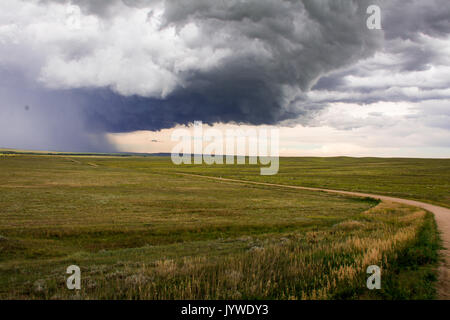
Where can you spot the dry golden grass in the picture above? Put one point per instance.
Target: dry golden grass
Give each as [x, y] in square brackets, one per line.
[323, 264]
[138, 233]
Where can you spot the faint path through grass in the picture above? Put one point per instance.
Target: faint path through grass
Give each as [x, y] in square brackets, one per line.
[442, 216]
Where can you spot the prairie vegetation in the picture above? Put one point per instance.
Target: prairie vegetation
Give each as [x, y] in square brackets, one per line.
[425, 180]
[139, 230]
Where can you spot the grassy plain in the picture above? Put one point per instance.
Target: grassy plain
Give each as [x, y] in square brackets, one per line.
[140, 230]
[426, 180]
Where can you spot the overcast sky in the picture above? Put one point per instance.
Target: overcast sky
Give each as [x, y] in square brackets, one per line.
[106, 75]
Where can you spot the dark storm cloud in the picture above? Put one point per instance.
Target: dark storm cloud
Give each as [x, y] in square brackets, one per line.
[411, 20]
[416, 40]
[295, 42]
[276, 53]
[34, 118]
[404, 25]
[280, 48]
[407, 19]
[115, 113]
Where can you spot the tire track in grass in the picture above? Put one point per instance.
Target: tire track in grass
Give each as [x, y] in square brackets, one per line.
[441, 214]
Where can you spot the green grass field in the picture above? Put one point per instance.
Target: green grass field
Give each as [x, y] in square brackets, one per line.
[426, 180]
[140, 230]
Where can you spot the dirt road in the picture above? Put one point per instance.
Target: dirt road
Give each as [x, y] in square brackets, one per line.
[441, 214]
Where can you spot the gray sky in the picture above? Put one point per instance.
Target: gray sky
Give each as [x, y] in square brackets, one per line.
[94, 75]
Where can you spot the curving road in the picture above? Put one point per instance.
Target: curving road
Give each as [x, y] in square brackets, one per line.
[441, 214]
